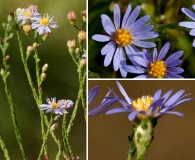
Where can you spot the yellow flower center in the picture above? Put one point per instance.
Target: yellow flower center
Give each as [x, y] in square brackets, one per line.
[143, 103]
[55, 105]
[122, 37]
[44, 22]
[157, 69]
[27, 14]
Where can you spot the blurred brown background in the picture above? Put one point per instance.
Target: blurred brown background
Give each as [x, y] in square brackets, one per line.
[174, 137]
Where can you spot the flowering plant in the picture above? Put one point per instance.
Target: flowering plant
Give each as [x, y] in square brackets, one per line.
[143, 112]
[33, 30]
[138, 29]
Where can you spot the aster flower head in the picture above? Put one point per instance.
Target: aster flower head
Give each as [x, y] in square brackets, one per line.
[124, 36]
[56, 107]
[189, 24]
[27, 14]
[42, 24]
[154, 66]
[148, 106]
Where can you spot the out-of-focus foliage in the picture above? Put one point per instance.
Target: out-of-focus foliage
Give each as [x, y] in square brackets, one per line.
[61, 81]
[165, 16]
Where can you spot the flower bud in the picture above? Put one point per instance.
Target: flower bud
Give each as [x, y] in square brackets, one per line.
[7, 57]
[27, 28]
[30, 49]
[71, 44]
[35, 45]
[71, 16]
[44, 68]
[83, 62]
[77, 50]
[43, 76]
[2, 71]
[82, 35]
[84, 14]
[10, 17]
[54, 126]
[46, 36]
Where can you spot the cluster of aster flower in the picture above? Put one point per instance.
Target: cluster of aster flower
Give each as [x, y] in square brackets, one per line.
[125, 38]
[151, 107]
[57, 107]
[31, 19]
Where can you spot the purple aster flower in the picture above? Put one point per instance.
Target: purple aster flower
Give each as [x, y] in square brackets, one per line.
[154, 66]
[148, 106]
[42, 24]
[27, 14]
[56, 107]
[124, 36]
[104, 104]
[189, 24]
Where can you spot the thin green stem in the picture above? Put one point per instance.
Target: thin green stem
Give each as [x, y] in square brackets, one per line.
[14, 120]
[45, 138]
[4, 149]
[76, 27]
[74, 59]
[8, 93]
[26, 67]
[37, 97]
[83, 96]
[67, 146]
[80, 93]
[39, 100]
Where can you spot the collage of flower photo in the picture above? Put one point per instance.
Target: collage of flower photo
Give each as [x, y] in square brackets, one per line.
[97, 80]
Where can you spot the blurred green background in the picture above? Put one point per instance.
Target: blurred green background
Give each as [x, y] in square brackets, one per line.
[165, 16]
[61, 81]
[173, 136]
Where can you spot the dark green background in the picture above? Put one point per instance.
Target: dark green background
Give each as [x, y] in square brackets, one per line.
[61, 82]
[173, 136]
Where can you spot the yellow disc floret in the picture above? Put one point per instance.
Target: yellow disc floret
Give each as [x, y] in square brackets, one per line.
[54, 105]
[143, 103]
[27, 14]
[122, 37]
[157, 69]
[44, 22]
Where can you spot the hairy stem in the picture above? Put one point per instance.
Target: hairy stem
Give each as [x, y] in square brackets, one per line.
[4, 149]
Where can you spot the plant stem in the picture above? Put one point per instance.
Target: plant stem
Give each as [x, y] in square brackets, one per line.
[141, 154]
[80, 93]
[4, 149]
[8, 93]
[45, 138]
[65, 138]
[37, 97]
[14, 120]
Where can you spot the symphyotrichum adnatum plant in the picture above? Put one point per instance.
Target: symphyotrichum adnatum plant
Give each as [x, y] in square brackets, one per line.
[143, 112]
[38, 29]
